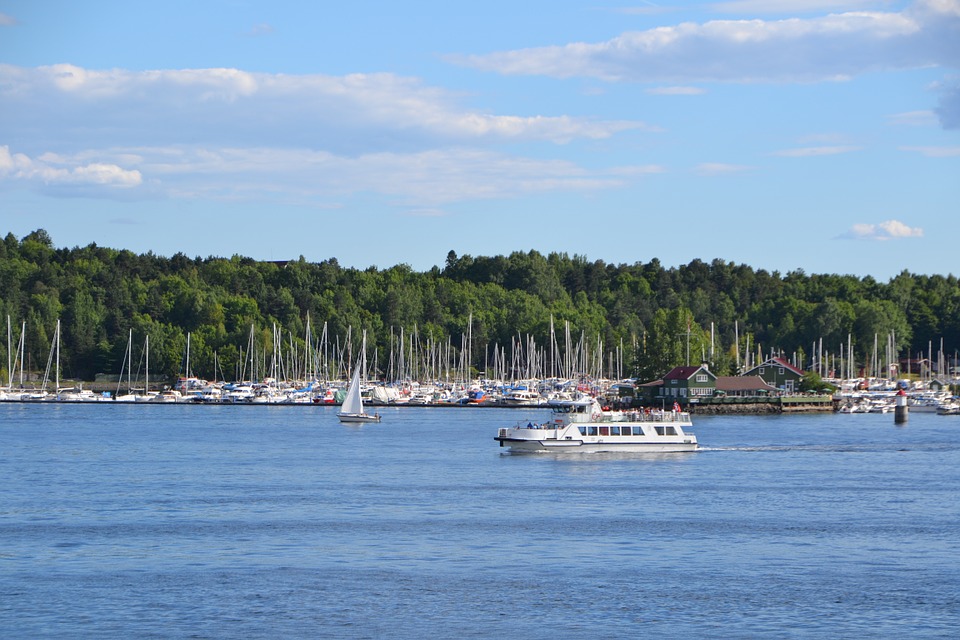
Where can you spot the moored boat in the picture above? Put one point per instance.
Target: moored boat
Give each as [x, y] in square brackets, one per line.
[582, 426]
[522, 398]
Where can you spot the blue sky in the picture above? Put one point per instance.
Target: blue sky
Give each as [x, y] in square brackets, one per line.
[821, 135]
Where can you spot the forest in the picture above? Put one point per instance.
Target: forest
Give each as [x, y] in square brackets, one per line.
[638, 319]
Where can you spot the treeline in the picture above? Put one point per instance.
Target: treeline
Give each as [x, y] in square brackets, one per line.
[645, 317]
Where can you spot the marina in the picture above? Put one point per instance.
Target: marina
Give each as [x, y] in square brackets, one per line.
[481, 394]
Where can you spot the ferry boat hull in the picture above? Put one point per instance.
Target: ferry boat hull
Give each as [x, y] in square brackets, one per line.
[581, 446]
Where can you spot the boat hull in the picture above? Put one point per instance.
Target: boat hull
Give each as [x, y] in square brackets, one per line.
[358, 417]
[580, 446]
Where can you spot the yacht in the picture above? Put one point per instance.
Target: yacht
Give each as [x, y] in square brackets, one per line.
[581, 425]
[521, 398]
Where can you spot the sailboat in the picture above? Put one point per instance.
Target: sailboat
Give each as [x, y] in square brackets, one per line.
[352, 408]
[129, 396]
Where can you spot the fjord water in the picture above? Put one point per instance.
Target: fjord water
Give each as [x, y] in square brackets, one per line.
[267, 522]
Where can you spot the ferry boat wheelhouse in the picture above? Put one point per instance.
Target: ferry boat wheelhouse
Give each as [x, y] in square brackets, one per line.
[582, 426]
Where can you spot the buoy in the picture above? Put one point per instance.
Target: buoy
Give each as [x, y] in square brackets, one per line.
[900, 408]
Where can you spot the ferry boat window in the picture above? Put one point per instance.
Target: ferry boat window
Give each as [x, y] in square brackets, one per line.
[604, 431]
[582, 430]
[591, 431]
[638, 431]
[614, 431]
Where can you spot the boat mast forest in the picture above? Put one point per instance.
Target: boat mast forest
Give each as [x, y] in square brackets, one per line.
[525, 315]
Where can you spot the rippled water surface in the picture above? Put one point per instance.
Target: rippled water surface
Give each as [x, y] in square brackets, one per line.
[267, 522]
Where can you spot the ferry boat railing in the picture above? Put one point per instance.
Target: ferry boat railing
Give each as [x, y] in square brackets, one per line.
[643, 416]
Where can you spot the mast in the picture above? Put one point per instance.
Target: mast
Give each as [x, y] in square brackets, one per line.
[23, 349]
[9, 362]
[57, 388]
[308, 373]
[129, 360]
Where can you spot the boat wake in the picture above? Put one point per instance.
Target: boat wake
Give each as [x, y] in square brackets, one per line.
[838, 448]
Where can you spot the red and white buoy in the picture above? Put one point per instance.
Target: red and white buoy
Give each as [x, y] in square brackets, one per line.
[900, 408]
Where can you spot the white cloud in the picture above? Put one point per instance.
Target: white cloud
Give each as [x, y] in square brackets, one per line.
[889, 230]
[226, 134]
[51, 170]
[7, 21]
[830, 47]
[807, 152]
[423, 181]
[220, 105]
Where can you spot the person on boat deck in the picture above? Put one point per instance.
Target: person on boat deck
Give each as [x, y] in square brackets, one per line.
[529, 425]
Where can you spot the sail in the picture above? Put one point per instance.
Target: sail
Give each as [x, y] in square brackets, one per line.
[352, 403]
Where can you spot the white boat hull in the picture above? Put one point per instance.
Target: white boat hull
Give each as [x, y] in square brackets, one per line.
[580, 446]
[358, 417]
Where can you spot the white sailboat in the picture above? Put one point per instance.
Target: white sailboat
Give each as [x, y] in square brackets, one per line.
[130, 395]
[352, 408]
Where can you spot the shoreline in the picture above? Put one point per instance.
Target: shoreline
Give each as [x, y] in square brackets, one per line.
[771, 407]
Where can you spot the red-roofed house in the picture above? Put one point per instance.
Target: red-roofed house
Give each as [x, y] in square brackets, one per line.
[688, 382]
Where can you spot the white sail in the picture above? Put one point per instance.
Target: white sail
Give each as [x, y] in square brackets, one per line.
[351, 410]
[353, 403]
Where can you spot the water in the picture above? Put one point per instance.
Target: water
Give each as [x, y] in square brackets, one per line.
[267, 522]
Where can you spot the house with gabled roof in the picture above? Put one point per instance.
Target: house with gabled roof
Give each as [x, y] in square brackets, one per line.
[779, 373]
[688, 383]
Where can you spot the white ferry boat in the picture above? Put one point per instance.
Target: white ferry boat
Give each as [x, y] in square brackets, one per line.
[582, 426]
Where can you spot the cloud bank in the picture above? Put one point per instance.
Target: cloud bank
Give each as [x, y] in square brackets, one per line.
[833, 47]
[431, 178]
[830, 47]
[285, 110]
[226, 133]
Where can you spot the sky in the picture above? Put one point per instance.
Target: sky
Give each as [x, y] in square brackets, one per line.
[813, 135]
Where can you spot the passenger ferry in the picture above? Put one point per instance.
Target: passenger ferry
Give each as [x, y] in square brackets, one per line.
[582, 426]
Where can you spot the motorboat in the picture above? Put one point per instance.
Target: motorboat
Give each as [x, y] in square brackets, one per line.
[581, 425]
[949, 409]
[521, 398]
